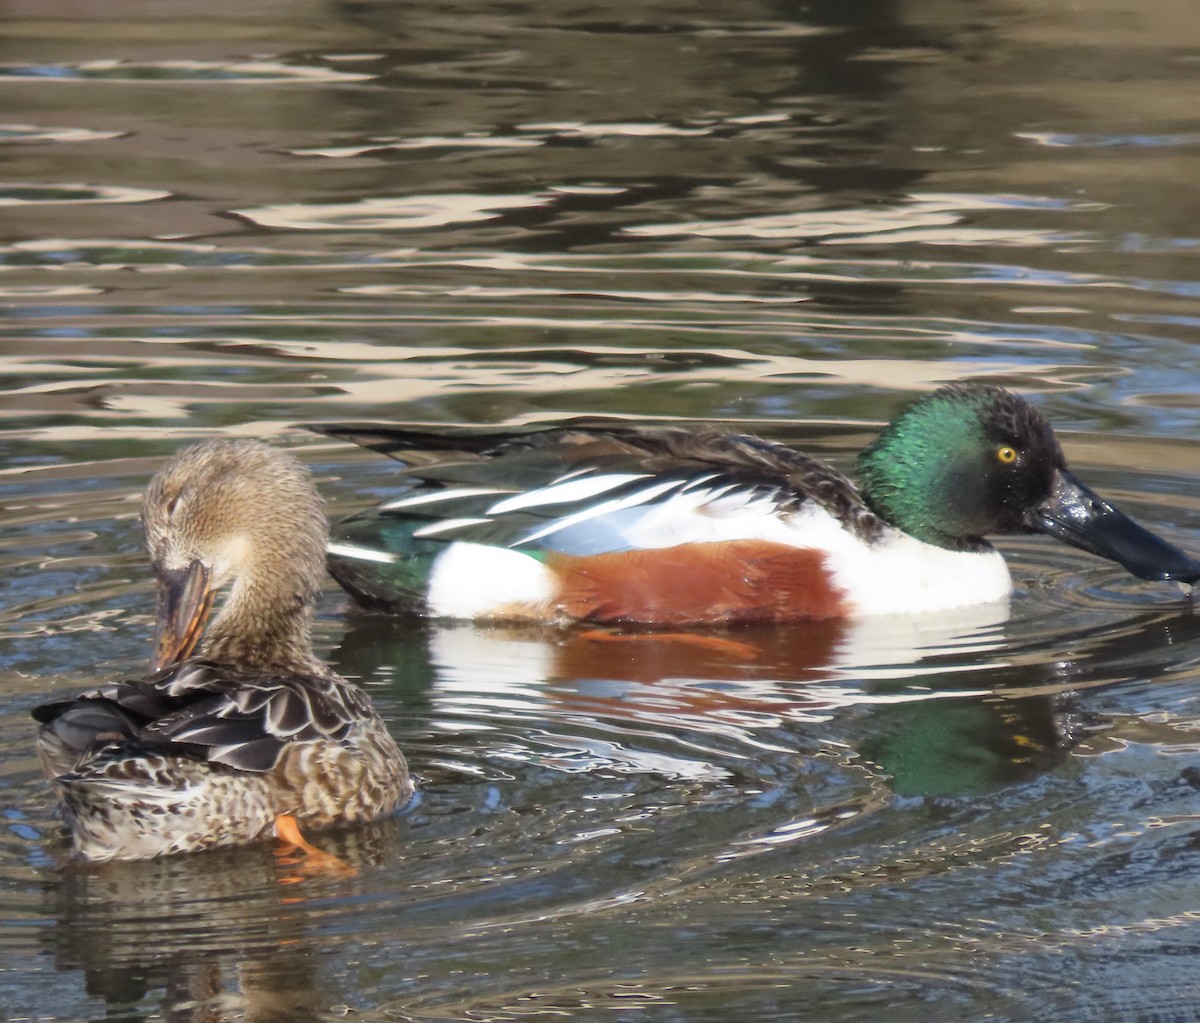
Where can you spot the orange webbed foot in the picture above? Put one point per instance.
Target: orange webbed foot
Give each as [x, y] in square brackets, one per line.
[314, 860]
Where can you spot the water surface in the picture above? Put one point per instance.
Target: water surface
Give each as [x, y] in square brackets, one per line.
[224, 219]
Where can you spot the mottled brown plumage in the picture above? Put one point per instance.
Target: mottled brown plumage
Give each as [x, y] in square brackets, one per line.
[211, 750]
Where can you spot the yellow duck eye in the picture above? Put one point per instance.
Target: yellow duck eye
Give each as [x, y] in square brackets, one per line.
[1006, 454]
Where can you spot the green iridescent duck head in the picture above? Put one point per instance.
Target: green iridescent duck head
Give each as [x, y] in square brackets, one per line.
[970, 461]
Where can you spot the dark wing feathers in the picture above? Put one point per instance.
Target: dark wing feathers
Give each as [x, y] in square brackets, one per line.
[533, 458]
[258, 755]
[208, 711]
[209, 731]
[402, 442]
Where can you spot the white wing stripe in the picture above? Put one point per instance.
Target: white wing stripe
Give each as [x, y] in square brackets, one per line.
[699, 481]
[347, 550]
[643, 496]
[446, 525]
[573, 474]
[560, 493]
[440, 495]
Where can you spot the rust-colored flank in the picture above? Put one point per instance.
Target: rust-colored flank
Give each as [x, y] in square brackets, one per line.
[699, 583]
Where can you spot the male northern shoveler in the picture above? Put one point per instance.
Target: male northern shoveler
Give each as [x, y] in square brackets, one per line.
[673, 526]
[258, 734]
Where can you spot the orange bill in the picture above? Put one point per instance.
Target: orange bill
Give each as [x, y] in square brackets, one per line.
[184, 601]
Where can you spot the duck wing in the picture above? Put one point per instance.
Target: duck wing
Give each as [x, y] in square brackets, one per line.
[507, 488]
[579, 490]
[200, 710]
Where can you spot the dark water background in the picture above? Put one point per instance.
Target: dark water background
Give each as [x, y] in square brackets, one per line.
[235, 218]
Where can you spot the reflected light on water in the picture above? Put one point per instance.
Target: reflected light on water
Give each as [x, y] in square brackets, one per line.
[391, 214]
[10, 133]
[255, 72]
[230, 219]
[74, 195]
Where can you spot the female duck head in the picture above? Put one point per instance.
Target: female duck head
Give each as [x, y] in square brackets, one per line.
[243, 515]
[968, 461]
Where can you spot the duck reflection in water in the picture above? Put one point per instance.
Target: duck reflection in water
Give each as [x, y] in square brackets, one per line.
[241, 733]
[901, 696]
[199, 939]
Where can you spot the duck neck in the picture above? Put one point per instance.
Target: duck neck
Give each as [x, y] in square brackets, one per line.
[265, 630]
[921, 492]
[917, 474]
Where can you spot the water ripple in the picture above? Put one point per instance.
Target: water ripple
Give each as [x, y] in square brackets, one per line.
[13, 194]
[390, 214]
[1058, 139]
[24, 133]
[928, 218]
[252, 72]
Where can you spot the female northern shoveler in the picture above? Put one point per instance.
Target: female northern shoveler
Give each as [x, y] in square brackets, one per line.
[259, 734]
[671, 526]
